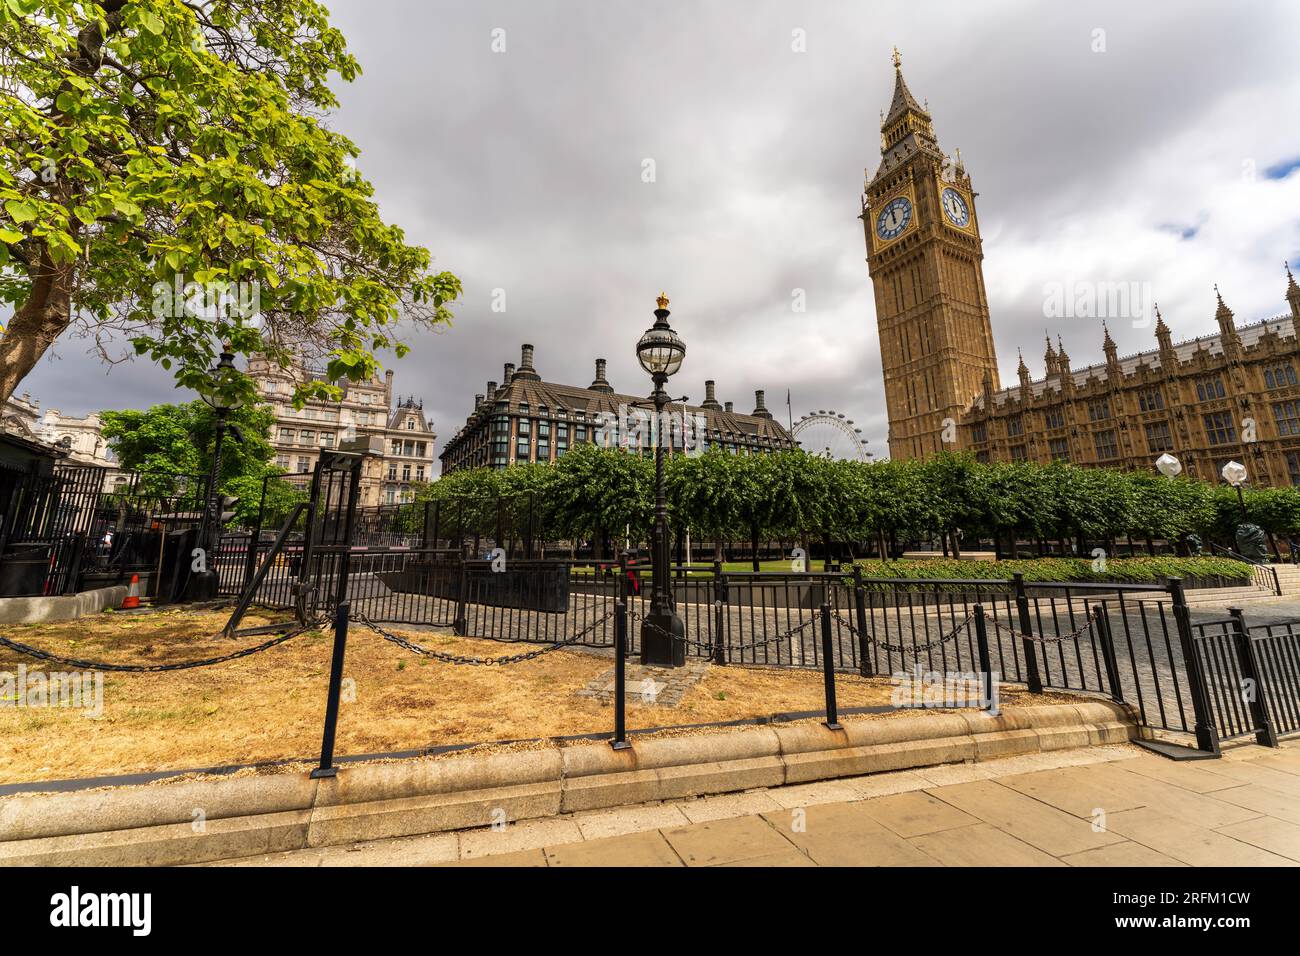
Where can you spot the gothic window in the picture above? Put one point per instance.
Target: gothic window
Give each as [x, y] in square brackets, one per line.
[979, 433]
[1158, 437]
[1208, 389]
[1054, 418]
[1019, 453]
[1293, 466]
[1220, 428]
[1279, 376]
[1287, 415]
[1106, 445]
[1059, 449]
[1099, 409]
[1151, 400]
[1015, 426]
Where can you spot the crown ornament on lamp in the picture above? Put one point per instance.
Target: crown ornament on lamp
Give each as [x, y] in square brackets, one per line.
[1234, 473]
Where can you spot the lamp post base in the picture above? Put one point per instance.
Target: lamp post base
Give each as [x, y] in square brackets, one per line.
[663, 640]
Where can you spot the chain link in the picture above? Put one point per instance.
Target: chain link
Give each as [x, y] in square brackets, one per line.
[465, 659]
[780, 638]
[157, 668]
[1059, 638]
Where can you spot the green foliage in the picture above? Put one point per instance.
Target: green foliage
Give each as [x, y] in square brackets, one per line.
[786, 495]
[156, 141]
[170, 440]
[1142, 570]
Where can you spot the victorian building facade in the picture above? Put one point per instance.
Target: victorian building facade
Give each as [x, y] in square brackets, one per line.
[394, 436]
[1232, 395]
[526, 419]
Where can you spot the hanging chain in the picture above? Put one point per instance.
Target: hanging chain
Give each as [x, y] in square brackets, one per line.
[157, 668]
[1058, 639]
[471, 661]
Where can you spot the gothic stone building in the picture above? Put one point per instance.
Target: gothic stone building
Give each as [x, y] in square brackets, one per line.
[1231, 395]
[395, 437]
[528, 420]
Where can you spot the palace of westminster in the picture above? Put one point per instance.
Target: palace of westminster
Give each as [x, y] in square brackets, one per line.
[1209, 400]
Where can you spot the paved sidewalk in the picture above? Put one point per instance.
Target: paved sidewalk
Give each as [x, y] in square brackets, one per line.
[1099, 806]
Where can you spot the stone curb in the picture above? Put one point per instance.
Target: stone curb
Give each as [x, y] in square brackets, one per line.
[62, 607]
[206, 820]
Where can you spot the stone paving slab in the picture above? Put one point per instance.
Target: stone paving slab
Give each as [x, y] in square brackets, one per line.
[725, 841]
[639, 849]
[1126, 853]
[917, 813]
[981, 845]
[1192, 844]
[1045, 827]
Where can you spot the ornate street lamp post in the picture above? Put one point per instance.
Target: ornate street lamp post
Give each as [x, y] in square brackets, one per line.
[1234, 473]
[663, 636]
[223, 393]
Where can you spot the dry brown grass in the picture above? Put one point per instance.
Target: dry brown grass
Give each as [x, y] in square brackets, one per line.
[270, 706]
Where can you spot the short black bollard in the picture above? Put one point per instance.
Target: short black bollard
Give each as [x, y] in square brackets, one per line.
[828, 670]
[986, 661]
[327, 768]
[620, 678]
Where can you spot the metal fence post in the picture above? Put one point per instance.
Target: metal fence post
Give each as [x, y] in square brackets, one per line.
[828, 670]
[327, 768]
[1102, 623]
[460, 623]
[719, 614]
[982, 645]
[620, 677]
[1207, 737]
[866, 666]
[1265, 734]
[1032, 677]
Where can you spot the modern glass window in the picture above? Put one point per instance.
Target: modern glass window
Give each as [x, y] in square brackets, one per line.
[521, 450]
[1220, 429]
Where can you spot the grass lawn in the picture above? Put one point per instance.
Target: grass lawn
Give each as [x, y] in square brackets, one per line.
[270, 706]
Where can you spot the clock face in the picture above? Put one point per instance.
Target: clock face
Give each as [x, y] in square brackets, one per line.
[955, 208]
[894, 218]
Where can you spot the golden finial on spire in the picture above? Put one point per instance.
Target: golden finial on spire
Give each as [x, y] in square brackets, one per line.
[898, 59]
[662, 300]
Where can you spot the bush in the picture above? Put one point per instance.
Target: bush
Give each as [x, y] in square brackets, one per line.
[1118, 570]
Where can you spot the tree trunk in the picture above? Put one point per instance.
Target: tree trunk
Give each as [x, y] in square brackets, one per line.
[37, 324]
[956, 547]
[753, 541]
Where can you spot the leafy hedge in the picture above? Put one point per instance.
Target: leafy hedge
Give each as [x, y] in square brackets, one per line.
[1118, 570]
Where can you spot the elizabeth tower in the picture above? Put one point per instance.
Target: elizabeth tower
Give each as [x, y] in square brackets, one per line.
[924, 256]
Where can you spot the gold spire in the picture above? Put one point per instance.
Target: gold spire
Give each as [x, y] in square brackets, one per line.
[662, 300]
[898, 59]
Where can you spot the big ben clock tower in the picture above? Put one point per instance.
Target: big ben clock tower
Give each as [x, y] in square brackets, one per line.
[924, 256]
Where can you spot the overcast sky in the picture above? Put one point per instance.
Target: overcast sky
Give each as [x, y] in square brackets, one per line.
[1170, 158]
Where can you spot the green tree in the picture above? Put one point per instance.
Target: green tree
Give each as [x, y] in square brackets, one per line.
[152, 143]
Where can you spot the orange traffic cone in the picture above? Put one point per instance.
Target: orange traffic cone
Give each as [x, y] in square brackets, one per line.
[132, 599]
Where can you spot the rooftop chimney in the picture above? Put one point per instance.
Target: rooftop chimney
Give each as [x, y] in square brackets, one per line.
[491, 389]
[478, 400]
[760, 409]
[727, 407]
[600, 384]
[526, 370]
[710, 397]
[509, 373]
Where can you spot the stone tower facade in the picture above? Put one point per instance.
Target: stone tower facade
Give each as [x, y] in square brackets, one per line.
[925, 259]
